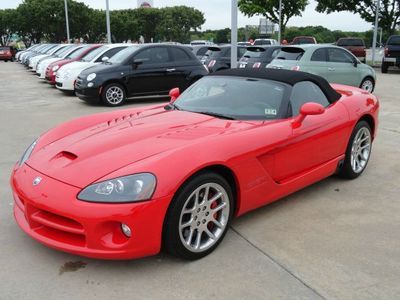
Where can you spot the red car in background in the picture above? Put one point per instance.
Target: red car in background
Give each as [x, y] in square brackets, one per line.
[301, 40]
[52, 69]
[355, 46]
[7, 53]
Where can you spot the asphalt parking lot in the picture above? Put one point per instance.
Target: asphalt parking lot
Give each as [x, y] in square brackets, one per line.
[334, 240]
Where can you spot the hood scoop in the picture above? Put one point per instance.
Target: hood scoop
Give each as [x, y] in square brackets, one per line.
[63, 159]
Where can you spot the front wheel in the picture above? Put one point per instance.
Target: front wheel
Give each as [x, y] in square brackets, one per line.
[198, 217]
[358, 151]
[113, 94]
[368, 84]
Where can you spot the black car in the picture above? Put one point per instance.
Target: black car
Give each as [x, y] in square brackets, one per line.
[199, 50]
[258, 56]
[219, 57]
[139, 71]
[391, 57]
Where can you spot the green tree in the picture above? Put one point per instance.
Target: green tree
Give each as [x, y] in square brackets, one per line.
[270, 9]
[8, 25]
[389, 17]
[176, 23]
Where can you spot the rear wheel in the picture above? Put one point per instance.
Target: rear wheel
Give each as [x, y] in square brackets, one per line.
[384, 67]
[198, 217]
[358, 151]
[368, 84]
[113, 94]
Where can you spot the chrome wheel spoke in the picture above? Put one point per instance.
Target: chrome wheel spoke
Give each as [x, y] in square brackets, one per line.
[360, 150]
[204, 217]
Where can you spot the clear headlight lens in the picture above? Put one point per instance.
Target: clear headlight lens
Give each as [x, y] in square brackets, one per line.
[124, 189]
[55, 68]
[27, 153]
[91, 76]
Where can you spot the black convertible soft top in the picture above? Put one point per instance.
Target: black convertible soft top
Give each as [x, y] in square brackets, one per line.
[285, 76]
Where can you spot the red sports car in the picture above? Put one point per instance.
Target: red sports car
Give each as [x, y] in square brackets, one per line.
[125, 184]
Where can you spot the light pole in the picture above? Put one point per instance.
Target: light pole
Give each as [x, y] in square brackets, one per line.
[234, 31]
[375, 31]
[66, 20]
[280, 22]
[108, 22]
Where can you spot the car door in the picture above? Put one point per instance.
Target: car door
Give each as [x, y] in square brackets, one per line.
[181, 68]
[319, 139]
[341, 68]
[317, 64]
[149, 69]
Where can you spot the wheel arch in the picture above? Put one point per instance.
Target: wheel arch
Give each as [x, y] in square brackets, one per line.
[371, 122]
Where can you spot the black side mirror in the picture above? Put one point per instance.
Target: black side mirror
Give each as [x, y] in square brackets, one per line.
[355, 63]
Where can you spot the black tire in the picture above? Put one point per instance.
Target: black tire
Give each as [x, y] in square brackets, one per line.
[370, 80]
[119, 89]
[172, 242]
[384, 67]
[346, 171]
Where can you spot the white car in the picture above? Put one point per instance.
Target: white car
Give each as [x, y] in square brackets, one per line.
[35, 60]
[43, 64]
[265, 42]
[67, 74]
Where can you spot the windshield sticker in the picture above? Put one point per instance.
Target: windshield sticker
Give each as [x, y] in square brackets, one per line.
[270, 112]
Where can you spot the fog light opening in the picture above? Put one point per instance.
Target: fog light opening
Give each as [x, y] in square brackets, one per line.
[90, 84]
[126, 230]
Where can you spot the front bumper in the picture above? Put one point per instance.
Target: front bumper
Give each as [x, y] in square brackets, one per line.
[88, 94]
[50, 213]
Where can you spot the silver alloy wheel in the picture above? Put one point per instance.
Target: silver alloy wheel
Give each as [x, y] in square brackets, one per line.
[368, 85]
[114, 95]
[360, 150]
[204, 217]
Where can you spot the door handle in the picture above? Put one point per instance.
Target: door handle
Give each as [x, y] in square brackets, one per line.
[171, 70]
[331, 69]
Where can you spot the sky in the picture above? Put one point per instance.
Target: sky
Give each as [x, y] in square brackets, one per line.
[217, 13]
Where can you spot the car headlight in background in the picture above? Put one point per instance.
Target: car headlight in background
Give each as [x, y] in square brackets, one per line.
[27, 153]
[131, 188]
[91, 76]
[55, 68]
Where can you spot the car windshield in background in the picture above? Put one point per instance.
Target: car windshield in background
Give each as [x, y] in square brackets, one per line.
[77, 52]
[122, 55]
[394, 40]
[290, 54]
[234, 98]
[4, 48]
[64, 51]
[301, 41]
[254, 53]
[91, 55]
[351, 42]
[214, 52]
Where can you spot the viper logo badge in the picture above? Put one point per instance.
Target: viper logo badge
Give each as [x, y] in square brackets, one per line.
[37, 180]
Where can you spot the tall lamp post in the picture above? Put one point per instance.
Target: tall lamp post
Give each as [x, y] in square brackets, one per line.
[280, 22]
[234, 32]
[108, 22]
[375, 31]
[66, 20]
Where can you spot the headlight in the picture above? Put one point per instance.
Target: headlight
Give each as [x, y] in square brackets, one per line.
[27, 153]
[55, 68]
[91, 76]
[124, 189]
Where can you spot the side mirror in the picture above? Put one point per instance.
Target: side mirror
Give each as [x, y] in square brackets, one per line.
[355, 63]
[174, 94]
[105, 59]
[308, 109]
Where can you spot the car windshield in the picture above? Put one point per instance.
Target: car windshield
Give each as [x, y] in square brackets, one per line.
[61, 52]
[91, 55]
[213, 52]
[236, 98]
[4, 48]
[262, 42]
[290, 54]
[123, 54]
[254, 52]
[394, 40]
[351, 42]
[77, 52]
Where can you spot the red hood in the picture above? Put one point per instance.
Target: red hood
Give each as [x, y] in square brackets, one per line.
[89, 154]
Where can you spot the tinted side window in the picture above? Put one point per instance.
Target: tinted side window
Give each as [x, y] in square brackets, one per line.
[339, 56]
[306, 91]
[157, 55]
[180, 55]
[110, 53]
[241, 52]
[202, 51]
[319, 55]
